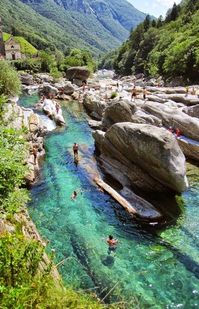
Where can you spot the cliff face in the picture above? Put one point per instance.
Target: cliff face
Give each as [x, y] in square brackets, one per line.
[96, 24]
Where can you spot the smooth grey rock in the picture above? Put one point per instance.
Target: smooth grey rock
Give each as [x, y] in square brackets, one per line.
[189, 147]
[94, 124]
[154, 153]
[49, 90]
[94, 106]
[44, 77]
[180, 98]
[174, 117]
[126, 111]
[27, 79]
[192, 111]
[80, 73]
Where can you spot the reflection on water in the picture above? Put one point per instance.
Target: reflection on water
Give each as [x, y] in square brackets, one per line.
[158, 268]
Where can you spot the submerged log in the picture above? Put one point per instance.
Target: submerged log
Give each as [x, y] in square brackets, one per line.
[143, 209]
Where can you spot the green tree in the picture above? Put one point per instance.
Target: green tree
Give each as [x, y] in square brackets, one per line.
[10, 84]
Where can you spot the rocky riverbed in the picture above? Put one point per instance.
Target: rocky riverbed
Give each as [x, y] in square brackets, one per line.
[136, 136]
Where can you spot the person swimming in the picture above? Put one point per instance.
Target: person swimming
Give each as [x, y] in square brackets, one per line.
[112, 244]
[74, 195]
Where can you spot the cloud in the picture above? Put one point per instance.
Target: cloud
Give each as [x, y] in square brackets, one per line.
[154, 7]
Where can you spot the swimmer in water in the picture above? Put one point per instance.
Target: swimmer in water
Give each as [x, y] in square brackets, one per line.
[74, 195]
[112, 244]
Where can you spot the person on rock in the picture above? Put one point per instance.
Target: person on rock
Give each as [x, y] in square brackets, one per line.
[134, 93]
[57, 106]
[84, 85]
[34, 151]
[112, 244]
[144, 93]
[187, 91]
[178, 132]
[172, 130]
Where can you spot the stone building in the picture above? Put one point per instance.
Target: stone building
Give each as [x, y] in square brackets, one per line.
[10, 49]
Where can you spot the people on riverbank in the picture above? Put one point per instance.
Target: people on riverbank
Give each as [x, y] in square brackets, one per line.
[178, 132]
[112, 244]
[144, 93]
[187, 91]
[134, 93]
[34, 151]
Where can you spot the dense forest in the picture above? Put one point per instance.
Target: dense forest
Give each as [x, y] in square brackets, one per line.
[50, 24]
[167, 47]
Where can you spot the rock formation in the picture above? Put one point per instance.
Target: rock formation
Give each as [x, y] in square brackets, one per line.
[174, 117]
[150, 159]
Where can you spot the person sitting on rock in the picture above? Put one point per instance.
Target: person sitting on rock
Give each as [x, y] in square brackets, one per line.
[171, 129]
[112, 244]
[178, 132]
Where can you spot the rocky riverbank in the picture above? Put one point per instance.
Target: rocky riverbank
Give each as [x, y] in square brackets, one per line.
[26, 120]
[135, 135]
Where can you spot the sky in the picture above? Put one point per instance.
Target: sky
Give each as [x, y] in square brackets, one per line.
[154, 7]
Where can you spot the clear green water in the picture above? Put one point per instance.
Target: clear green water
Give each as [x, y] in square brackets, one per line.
[160, 269]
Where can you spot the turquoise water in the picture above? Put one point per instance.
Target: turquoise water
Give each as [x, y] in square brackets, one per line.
[154, 268]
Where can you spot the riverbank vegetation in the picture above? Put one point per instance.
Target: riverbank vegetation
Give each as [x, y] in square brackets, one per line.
[167, 47]
[56, 63]
[24, 281]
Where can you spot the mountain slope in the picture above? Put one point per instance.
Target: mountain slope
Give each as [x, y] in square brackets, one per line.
[169, 48]
[26, 47]
[99, 25]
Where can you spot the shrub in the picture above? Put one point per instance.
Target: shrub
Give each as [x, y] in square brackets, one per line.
[113, 95]
[10, 84]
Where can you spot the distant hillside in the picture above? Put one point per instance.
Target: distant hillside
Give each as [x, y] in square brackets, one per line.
[99, 25]
[26, 47]
[169, 48]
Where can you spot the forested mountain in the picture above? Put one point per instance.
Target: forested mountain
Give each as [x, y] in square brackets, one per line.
[167, 47]
[96, 24]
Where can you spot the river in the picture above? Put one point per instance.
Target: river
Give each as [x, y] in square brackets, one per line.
[155, 268]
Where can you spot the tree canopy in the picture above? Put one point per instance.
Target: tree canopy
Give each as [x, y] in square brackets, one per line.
[167, 47]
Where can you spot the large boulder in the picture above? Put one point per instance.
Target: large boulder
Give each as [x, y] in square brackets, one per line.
[50, 109]
[192, 111]
[34, 123]
[79, 73]
[43, 78]
[49, 90]
[118, 112]
[65, 87]
[27, 79]
[94, 106]
[125, 111]
[180, 98]
[150, 159]
[189, 147]
[189, 126]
